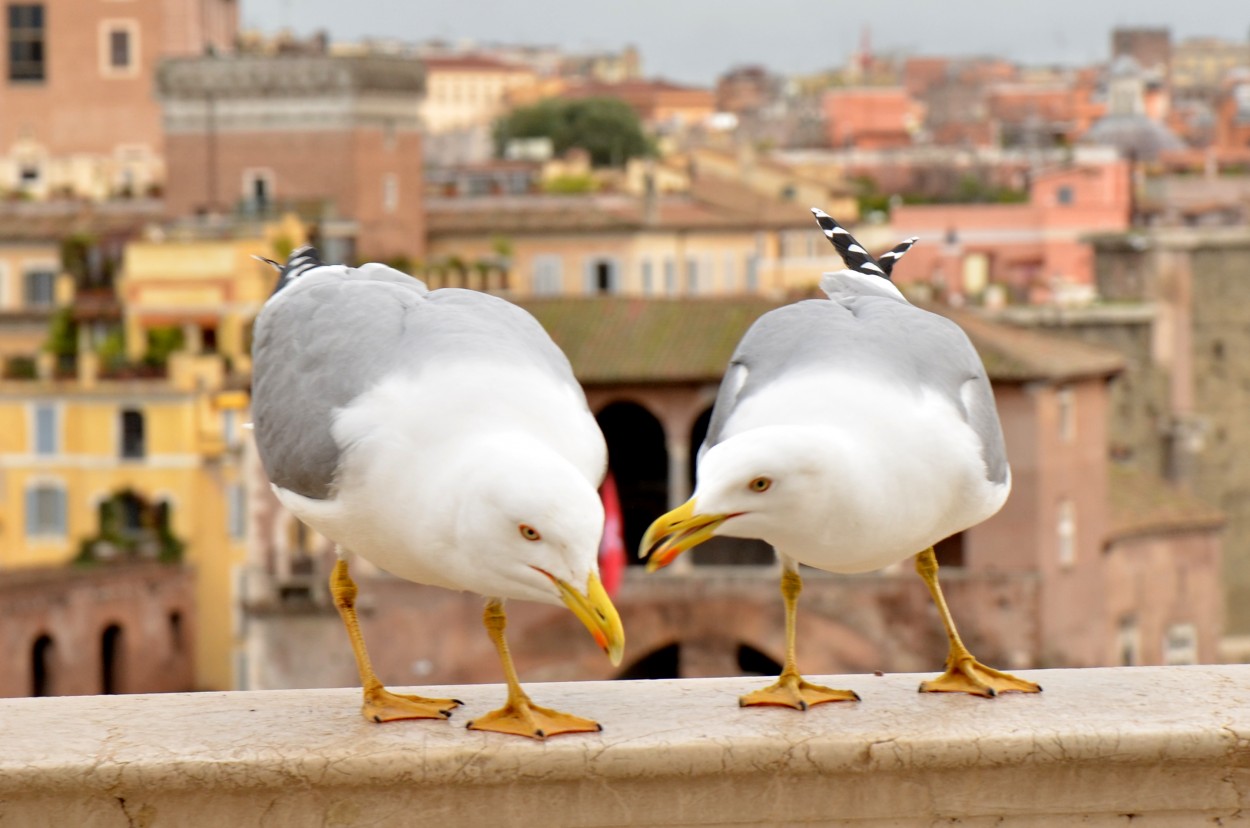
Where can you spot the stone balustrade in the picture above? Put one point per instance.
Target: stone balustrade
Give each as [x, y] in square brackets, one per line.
[1150, 746]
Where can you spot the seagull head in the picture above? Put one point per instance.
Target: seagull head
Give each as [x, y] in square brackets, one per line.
[772, 483]
[532, 522]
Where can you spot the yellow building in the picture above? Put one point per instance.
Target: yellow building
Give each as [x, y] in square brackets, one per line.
[164, 447]
[211, 289]
[143, 460]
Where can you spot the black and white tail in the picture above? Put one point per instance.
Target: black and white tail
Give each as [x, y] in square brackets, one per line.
[853, 253]
[301, 260]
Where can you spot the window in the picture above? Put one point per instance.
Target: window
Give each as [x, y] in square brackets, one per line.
[258, 189]
[647, 278]
[40, 288]
[670, 276]
[752, 267]
[236, 511]
[547, 275]
[45, 511]
[390, 192]
[119, 48]
[1065, 531]
[132, 437]
[27, 42]
[47, 430]
[1063, 195]
[601, 276]
[1180, 644]
[730, 276]
[1067, 414]
[692, 275]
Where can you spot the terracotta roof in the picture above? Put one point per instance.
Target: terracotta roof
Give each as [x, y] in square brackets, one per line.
[1146, 504]
[616, 340]
[1013, 354]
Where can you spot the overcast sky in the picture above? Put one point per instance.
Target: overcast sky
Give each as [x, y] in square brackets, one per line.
[695, 40]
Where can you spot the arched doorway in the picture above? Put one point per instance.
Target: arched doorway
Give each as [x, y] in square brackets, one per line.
[41, 656]
[753, 662]
[639, 462]
[661, 663]
[111, 657]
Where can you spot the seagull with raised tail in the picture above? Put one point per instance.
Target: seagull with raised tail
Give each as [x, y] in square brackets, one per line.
[440, 435]
[849, 432]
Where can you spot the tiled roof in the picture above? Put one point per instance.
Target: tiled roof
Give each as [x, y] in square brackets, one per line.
[1146, 504]
[1013, 354]
[616, 340]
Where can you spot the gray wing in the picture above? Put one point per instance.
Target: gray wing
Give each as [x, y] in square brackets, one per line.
[876, 334]
[336, 332]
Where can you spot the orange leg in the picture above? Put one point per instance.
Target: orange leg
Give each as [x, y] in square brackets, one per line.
[964, 674]
[381, 705]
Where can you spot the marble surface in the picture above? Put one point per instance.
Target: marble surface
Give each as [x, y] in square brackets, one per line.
[1169, 746]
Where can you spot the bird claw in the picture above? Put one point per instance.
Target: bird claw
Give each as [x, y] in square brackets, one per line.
[381, 705]
[791, 690]
[965, 674]
[524, 718]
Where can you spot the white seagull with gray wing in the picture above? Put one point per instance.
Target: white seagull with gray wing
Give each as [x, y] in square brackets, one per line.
[442, 436]
[849, 433]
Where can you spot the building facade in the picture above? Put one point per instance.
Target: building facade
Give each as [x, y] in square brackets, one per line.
[80, 117]
[336, 140]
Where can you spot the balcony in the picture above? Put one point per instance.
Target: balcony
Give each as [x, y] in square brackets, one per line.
[1164, 746]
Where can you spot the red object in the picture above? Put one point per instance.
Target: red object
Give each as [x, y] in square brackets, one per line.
[612, 547]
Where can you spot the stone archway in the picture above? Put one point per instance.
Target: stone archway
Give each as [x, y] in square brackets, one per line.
[639, 461]
[42, 655]
[112, 659]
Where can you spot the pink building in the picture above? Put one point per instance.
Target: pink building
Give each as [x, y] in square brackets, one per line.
[871, 118]
[1031, 252]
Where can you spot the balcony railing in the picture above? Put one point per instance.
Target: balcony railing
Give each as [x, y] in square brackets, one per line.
[1166, 746]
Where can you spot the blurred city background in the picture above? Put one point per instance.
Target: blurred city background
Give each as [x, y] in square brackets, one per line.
[1080, 185]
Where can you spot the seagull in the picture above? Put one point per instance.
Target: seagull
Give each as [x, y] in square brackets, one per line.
[441, 436]
[850, 433]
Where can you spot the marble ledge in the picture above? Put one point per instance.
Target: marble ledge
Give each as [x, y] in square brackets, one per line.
[1167, 746]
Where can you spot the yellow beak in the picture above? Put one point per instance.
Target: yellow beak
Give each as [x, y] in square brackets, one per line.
[595, 610]
[675, 532]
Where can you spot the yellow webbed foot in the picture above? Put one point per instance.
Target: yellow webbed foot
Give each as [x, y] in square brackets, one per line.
[791, 690]
[967, 675]
[381, 705]
[524, 718]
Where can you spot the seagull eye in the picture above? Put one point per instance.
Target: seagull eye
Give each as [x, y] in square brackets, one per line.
[760, 484]
[529, 532]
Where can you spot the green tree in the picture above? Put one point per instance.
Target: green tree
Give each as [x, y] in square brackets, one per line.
[607, 128]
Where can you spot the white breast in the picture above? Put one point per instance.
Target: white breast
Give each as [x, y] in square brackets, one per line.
[910, 471]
